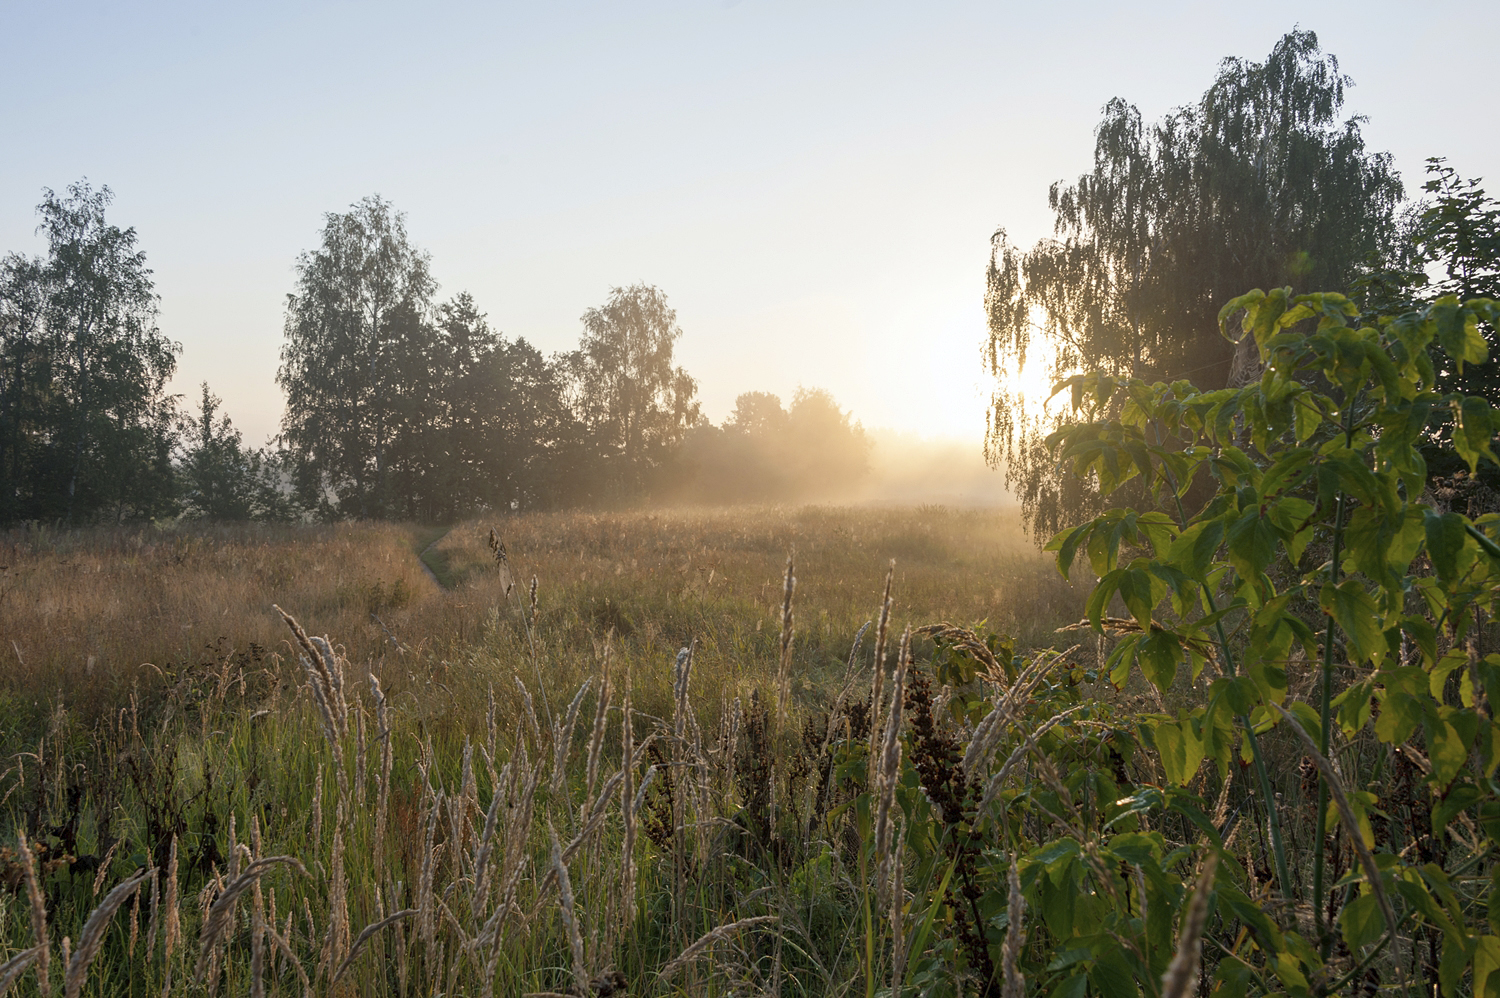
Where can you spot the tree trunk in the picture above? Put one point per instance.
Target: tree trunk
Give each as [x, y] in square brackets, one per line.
[83, 410]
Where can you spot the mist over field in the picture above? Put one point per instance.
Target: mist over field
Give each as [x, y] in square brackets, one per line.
[749, 500]
[910, 470]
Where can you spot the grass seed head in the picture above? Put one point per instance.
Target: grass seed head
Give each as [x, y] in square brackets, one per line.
[38, 911]
[1181, 978]
[92, 936]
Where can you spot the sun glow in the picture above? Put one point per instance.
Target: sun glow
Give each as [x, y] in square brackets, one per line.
[1033, 382]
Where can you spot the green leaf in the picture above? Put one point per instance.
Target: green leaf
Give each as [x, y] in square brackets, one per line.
[1446, 748]
[1137, 847]
[1158, 654]
[1458, 332]
[1445, 542]
[1400, 714]
[1076, 986]
[1066, 545]
[1353, 707]
[1486, 963]
[1459, 799]
[1252, 543]
[1250, 303]
[1194, 549]
[1140, 591]
[1453, 962]
[1180, 749]
[1355, 612]
[1100, 597]
[1308, 416]
[1112, 977]
[1423, 635]
[1474, 426]
[1362, 922]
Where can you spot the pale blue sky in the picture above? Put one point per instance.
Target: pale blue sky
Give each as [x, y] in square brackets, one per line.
[813, 184]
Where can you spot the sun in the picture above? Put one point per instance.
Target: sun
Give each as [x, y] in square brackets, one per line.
[1033, 382]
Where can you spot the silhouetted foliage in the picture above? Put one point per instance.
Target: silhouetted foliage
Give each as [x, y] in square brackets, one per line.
[635, 405]
[814, 450]
[1258, 184]
[222, 479]
[85, 423]
[397, 406]
[356, 335]
[1459, 232]
[400, 407]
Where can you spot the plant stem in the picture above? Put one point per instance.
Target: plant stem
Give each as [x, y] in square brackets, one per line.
[1325, 937]
[1262, 776]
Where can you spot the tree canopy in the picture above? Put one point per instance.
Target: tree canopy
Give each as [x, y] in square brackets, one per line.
[634, 403]
[355, 335]
[766, 453]
[85, 421]
[1260, 183]
[398, 405]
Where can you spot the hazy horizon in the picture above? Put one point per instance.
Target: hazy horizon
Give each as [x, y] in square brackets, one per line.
[814, 188]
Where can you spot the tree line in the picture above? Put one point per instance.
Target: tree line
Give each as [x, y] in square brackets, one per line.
[398, 404]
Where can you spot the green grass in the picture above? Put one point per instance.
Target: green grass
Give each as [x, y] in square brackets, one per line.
[228, 743]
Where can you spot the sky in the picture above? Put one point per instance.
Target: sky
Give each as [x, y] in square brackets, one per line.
[814, 185]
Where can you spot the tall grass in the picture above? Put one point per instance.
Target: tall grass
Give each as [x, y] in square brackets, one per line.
[86, 615]
[586, 793]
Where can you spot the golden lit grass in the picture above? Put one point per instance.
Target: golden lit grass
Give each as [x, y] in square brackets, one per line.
[81, 611]
[445, 845]
[662, 579]
[962, 564]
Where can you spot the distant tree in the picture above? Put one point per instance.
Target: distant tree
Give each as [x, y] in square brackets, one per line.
[216, 473]
[222, 479]
[25, 374]
[84, 416]
[757, 413]
[764, 452]
[357, 355]
[511, 440]
[828, 452]
[1458, 231]
[634, 403]
[1259, 184]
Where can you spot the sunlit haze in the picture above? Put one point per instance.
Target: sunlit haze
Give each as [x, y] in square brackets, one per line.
[814, 186]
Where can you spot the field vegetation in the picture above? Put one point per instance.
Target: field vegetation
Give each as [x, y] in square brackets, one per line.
[664, 760]
[497, 708]
[1238, 741]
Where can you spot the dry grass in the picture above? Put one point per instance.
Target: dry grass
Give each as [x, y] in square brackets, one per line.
[962, 564]
[85, 610]
[418, 768]
[87, 616]
[660, 580]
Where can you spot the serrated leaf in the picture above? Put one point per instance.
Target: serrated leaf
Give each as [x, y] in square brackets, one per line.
[1180, 749]
[1362, 922]
[1066, 545]
[1159, 653]
[1252, 540]
[1356, 615]
[1446, 749]
[1474, 426]
[1194, 549]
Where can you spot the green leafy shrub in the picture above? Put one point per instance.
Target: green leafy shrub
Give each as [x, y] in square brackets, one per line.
[1295, 563]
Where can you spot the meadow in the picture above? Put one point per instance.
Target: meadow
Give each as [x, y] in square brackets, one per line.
[443, 796]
